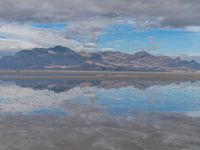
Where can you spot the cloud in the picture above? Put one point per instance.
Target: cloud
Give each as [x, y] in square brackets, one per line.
[22, 36]
[190, 57]
[87, 19]
[193, 28]
[175, 13]
[91, 45]
[108, 49]
[13, 45]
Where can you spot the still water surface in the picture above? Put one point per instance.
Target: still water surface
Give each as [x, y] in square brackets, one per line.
[119, 98]
[99, 114]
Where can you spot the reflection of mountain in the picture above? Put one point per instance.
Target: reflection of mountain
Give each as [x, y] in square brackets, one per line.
[55, 85]
[59, 85]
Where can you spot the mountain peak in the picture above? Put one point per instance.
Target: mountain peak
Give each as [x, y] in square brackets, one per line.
[57, 50]
[142, 54]
[60, 49]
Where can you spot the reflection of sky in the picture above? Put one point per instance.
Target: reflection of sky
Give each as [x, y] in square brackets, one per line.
[184, 98]
[170, 98]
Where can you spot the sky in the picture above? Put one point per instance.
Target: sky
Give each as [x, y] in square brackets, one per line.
[158, 26]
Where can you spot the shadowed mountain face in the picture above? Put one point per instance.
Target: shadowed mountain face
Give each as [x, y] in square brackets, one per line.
[64, 58]
[39, 58]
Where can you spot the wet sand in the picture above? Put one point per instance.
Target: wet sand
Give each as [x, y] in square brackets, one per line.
[142, 132]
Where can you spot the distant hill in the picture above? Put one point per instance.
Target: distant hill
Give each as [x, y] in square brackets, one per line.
[64, 58]
[145, 61]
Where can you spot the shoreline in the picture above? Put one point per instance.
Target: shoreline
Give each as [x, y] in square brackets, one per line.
[99, 75]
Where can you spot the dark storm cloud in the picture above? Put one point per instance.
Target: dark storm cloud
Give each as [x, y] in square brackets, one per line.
[173, 13]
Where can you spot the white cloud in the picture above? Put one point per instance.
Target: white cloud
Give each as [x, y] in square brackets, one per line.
[87, 19]
[193, 28]
[23, 36]
[108, 49]
[11, 45]
[90, 45]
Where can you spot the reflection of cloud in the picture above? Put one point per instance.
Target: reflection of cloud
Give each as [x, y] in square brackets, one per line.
[193, 113]
[17, 99]
[91, 102]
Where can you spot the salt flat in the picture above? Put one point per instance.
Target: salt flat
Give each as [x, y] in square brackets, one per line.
[99, 75]
[151, 132]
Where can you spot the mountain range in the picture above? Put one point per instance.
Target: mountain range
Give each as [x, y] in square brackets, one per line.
[66, 59]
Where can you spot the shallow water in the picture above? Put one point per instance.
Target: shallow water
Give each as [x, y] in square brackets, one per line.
[113, 98]
[77, 114]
